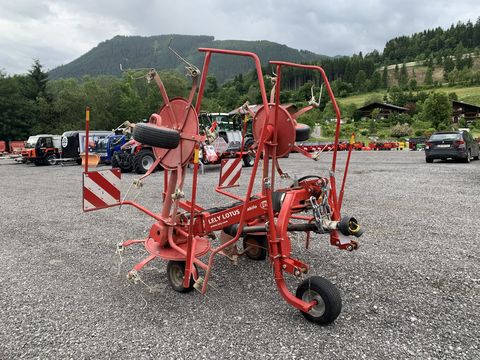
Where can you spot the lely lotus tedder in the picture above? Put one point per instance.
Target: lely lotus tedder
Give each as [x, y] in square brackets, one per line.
[183, 233]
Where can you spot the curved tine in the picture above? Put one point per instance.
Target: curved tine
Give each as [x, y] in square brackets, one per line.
[313, 100]
[192, 69]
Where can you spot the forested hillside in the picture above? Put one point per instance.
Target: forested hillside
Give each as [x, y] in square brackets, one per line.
[152, 52]
[435, 43]
[40, 102]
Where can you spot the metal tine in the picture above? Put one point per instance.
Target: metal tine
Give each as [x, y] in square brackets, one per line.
[192, 69]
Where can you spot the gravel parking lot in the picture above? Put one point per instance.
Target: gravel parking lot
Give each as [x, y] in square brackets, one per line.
[411, 291]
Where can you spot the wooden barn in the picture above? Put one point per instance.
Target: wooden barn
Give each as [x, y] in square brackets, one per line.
[385, 109]
[461, 110]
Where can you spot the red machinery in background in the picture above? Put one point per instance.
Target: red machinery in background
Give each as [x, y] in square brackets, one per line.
[184, 232]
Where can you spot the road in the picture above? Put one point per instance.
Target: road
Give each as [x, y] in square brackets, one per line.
[411, 291]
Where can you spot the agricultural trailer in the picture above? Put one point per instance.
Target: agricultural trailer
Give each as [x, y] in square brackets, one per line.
[183, 232]
[73, 145]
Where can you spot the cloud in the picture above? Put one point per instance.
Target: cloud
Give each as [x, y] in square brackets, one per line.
[57, 32]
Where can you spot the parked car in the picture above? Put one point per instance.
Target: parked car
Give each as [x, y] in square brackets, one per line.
[458, 145]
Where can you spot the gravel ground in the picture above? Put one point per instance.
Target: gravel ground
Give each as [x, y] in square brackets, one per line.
[411, 291]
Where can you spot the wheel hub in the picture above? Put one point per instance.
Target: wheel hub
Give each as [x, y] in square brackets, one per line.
[176, 276]
[147, 162]
[318, 309]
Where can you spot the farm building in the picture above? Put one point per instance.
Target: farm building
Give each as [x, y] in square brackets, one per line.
[385, 109]
[461, 110]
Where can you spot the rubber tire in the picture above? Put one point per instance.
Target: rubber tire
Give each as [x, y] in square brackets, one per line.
[123, 168]
[46, 161]
[38, 162]
[137, 160]
[259, 252]
[160, 137]
[248, 161]
[308, 177]
[79, 161]
[277, 200]
[429, 160]
[469, 157]
[330, 296]
[172, 266]
[302, 132]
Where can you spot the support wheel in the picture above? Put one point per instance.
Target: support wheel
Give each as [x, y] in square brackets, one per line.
[175, 274]
[257, 246]
[327, 296]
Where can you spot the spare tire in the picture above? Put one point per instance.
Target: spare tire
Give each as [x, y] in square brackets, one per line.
[302, 132]
[155, 136]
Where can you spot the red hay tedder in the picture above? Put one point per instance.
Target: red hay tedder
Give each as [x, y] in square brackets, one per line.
[182, 233]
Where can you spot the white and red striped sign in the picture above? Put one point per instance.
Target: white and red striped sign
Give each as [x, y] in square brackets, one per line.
[230, 172]
[101, 189]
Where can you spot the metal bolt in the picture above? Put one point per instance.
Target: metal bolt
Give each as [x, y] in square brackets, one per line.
[284, 266]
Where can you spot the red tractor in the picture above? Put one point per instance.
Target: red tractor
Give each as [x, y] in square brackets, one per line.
[183, 232]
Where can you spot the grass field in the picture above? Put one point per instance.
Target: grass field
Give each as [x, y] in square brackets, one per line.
[467, 94]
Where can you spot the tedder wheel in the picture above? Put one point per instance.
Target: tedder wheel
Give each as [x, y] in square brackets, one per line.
[143, 161]
[175, 274]
[327, 296]
[160, 137]
[248, 160]
[257, 246]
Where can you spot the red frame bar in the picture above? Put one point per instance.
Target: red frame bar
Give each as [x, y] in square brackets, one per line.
[333, 193]
[87, 134]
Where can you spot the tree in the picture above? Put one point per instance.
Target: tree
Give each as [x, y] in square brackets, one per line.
[35, 83]
[361, 80]
[412, 84]
[429, 77]
[437, 109]
[15, 109]
[448, 66]
[376, 81]
[403, 78]
[385, 77]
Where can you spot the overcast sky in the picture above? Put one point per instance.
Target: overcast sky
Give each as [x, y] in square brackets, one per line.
[58, 31]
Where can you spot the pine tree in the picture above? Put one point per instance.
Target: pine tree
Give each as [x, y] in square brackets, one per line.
[385, 77]
[429, 77]
[403, 77]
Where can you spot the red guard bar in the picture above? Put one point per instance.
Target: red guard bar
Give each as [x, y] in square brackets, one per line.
[258, 68]
[336, 211]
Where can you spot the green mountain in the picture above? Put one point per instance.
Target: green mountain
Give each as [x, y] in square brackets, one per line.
[152, 52]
